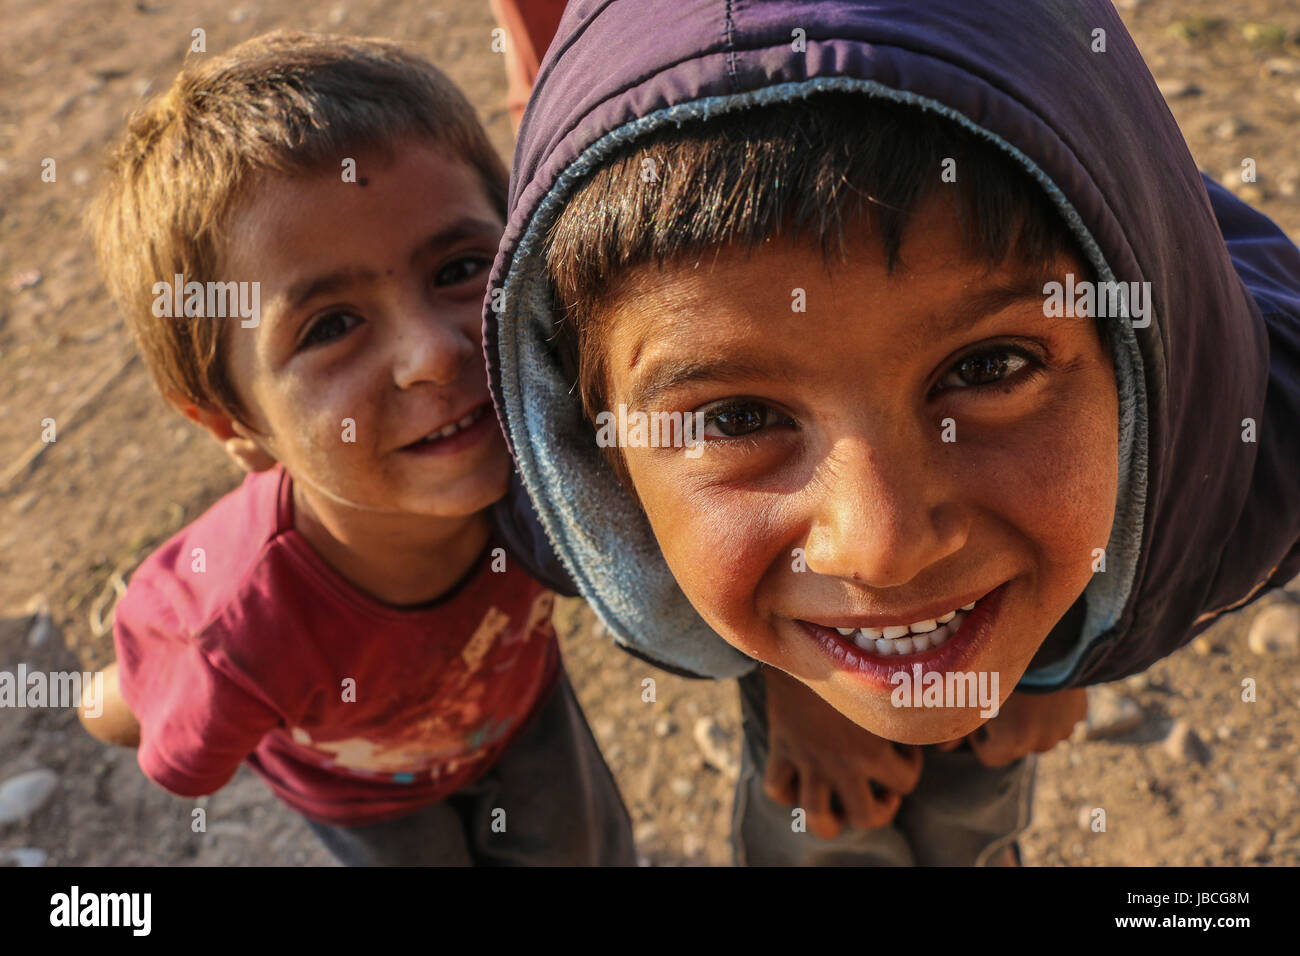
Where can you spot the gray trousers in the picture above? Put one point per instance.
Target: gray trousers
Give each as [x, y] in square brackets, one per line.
[961, 813]
[561, 808]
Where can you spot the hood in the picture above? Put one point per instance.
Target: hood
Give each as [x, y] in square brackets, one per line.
[1197, 526]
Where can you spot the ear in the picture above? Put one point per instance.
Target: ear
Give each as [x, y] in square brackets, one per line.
[240, 443]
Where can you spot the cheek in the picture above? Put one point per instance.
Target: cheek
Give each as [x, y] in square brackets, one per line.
[325, 422]
[1056, 480]
[718, 545]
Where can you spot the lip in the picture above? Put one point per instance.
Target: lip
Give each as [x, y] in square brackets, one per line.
[462, 439]
[877, 671]
[924, 614]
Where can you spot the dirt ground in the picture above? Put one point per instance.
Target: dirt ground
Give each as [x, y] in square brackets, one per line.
[126, 472]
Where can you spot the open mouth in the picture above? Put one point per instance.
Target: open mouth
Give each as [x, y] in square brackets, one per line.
[938, 643]
[454, 434]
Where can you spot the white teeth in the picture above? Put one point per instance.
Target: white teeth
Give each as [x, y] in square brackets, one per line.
[908, 639]
[969, 607]
[448, 430]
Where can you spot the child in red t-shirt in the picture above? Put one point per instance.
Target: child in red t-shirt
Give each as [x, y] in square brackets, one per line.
[300, 234]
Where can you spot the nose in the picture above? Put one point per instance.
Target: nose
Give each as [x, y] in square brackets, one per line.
[430, 347]
[882, 515]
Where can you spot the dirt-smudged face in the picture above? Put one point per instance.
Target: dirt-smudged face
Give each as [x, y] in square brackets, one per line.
[370, 339]
[905, 446]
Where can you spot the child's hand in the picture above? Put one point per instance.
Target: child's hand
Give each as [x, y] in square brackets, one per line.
[109, 719]
[1026, 723]
[823, 762]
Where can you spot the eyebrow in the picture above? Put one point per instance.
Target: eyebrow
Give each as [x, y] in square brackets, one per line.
[670, 374]
[467, 227]
[987, 302]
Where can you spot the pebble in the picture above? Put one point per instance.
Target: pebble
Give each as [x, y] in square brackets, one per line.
[645, 831]
[664, 727]
[1178, 89]
[38, 635]
[23, 856]
[1110, 714]
[25, 280]
[715, 747]
[1223, 732]
[1138, 682]
[682, 787]
[1275, 632]
[1184, 744]
[23, 795]
[1282, 66]
[1203, 646]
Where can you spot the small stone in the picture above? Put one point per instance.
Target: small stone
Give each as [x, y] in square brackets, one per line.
[42, 627]
[1138, 682]
[1203, 646]
[1111, 714]
[23, 856]
[715, 747]
[645, 831]
[1178, 89]
[1230, 128]
[1257, 849]
[1261, 743]
[682, 787]
[1223, 732]
[1275, 632]
[26, 279]
[1184, 744]
[1282, 66]
[664, 727]
[23, 795]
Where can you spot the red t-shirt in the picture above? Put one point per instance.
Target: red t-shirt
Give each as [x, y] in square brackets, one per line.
[235, 640]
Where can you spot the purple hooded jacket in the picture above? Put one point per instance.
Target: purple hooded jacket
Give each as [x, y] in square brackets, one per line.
[1205, 521]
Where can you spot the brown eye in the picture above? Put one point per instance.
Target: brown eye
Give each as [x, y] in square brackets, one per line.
[330, 326]
[739, 419]
[989, 367]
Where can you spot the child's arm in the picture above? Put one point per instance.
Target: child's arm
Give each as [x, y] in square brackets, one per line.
[1026, 723]
[105, 714]
[816, 755]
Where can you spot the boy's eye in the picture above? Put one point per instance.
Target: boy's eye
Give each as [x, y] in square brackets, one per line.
[330, 326]
[461, 270]
[736, 419]
[987, 367]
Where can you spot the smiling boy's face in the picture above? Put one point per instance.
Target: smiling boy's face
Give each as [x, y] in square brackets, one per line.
[907, 445]
[371, 299]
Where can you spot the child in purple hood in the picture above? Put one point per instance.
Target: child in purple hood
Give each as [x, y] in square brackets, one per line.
[934, 309]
